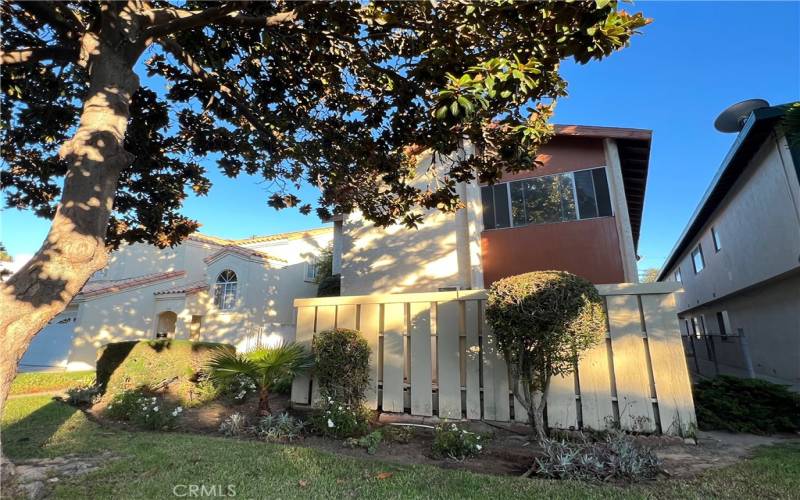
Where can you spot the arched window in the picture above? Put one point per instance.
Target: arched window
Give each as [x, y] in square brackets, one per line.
[225, 290]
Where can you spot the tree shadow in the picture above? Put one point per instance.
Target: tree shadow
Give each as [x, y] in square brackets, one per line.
[28, 436]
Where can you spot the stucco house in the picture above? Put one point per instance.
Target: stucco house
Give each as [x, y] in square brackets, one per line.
[739, 259]
[235, 291]
[580, 211]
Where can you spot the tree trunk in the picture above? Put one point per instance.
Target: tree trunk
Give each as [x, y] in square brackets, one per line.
[263, 402]
[75, 246]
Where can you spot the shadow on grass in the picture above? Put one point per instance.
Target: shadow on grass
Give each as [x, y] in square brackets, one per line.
[27, 436]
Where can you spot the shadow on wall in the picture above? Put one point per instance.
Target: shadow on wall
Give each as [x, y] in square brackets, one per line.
[400, 260]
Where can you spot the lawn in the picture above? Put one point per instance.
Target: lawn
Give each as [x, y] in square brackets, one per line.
[31, 382]
[151, 464]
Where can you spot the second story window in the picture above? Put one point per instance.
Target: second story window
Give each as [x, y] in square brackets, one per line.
[697, 259]
[715, 237]
[678, 275]
[225, 290]
[311, 270]
[552, 198]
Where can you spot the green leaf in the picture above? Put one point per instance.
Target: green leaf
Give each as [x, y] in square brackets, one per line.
[470, 9]
[505, 94]
[466, 104]
[601, 3]
[454, 108]
[441, 113]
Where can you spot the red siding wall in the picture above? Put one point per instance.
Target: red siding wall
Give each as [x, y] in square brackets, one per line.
[588, 248]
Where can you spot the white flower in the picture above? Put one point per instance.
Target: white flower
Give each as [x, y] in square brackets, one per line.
[478, 447]
[478, 438]
[179, 409]
[109, 407]
[330, 423]
[155, 408]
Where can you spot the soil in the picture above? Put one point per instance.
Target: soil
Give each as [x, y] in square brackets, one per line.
[508, 452]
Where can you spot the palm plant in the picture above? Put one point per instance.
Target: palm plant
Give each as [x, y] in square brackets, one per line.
[266, 367]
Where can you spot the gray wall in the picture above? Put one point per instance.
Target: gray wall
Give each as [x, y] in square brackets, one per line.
[759, 227]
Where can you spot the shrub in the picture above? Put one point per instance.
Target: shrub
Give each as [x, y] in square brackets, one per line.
[342, 365]
[453, 442]
[235, 425]
[330, 286]
[543, 321]
[746, 405]
[30, 382]
[156, 365]
[369, 442]
[617, 457]
[143, 410]
[83, 396]
[280, 428]
[398, 433]
[340, 420]
[239, 387]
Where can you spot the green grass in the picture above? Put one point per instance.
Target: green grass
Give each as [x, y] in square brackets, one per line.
[31, 382]
[151, 464]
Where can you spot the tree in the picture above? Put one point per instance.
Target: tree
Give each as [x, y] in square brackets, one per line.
[265, 367]
[650, 275]
[543, 321]
[339, 95]
[4, 257]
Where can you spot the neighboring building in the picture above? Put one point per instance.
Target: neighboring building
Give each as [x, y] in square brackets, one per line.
[580, 212]
[739, 260]
[235, 291]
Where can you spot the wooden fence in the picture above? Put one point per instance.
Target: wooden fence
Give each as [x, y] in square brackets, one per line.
[434, 355]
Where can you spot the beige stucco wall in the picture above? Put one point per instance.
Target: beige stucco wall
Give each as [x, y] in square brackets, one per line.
[444, 251]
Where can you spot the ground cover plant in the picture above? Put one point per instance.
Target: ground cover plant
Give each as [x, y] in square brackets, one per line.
[150, 464]
[746, 405]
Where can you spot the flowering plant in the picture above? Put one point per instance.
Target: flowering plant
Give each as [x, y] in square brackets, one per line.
[456, 443]
[145, 411]
[340, 420]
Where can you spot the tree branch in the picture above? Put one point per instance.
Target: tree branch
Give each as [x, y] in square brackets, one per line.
[181, 19]
[35, 54]
[211, 82]
[69, 27]
[258, 21]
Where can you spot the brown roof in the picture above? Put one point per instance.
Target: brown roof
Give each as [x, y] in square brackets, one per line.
[603, 132]
[194, 286]
[94, 289]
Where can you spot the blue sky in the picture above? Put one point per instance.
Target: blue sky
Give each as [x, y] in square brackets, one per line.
[692, 62]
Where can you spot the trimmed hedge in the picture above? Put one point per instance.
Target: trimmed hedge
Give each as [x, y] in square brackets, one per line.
[32, 382]
[746, 405]
[155, 365]
[342, 365]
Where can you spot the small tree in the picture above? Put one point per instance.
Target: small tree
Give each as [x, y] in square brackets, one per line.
[266, 367]
[543, 321]
[342, 365]
[649, 275]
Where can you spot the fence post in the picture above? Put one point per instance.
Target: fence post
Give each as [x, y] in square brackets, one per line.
[713, 353]
[694, 354]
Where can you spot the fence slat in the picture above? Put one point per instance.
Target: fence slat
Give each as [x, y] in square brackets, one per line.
[447, 333]
[394, 326]
[303, 336]
[420, 344]
[594, 378]
[495, 376]
[346, 316]
[369, 325]
[630, 367]
[671, 375]
[472, 361]
[562, 411]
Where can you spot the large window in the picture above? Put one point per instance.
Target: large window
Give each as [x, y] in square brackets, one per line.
[697, 259]
[553, 198]
[225, 290]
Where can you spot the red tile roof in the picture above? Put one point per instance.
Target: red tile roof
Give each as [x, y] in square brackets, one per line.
[194, 286]
[94, 289]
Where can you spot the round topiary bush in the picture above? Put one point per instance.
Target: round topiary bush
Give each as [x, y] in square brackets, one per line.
[543, 321]
[342, 365]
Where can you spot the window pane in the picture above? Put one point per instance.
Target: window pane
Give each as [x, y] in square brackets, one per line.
[697, 259]
[584, 187]
[601, 192]
[487, 199]
[568, 211]
[538, 205]
[518, 203]
[501, 216]
[717, 242]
